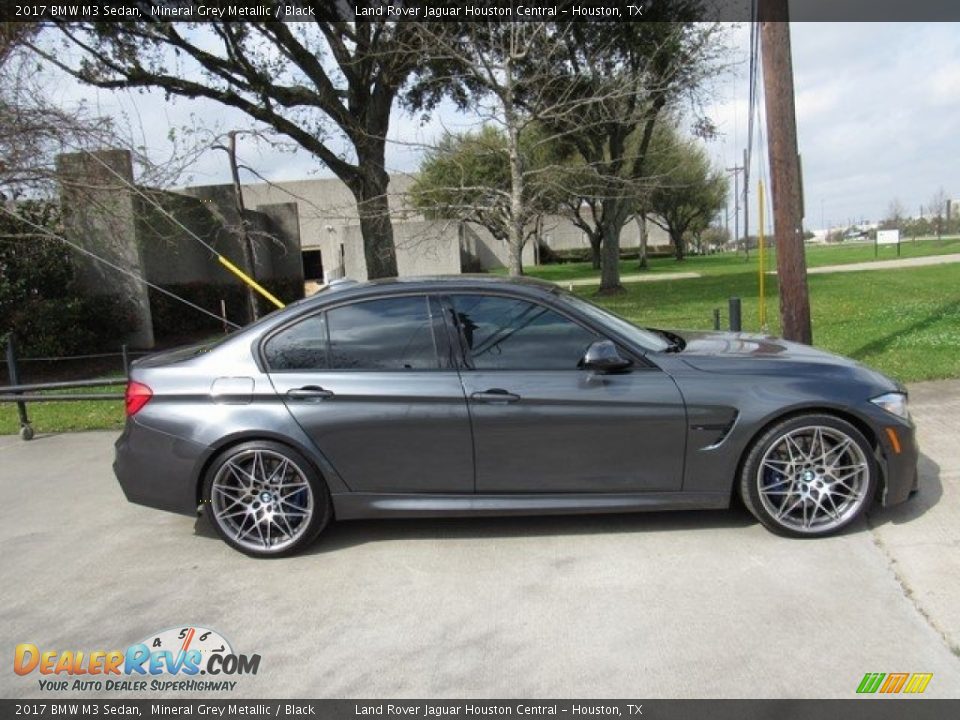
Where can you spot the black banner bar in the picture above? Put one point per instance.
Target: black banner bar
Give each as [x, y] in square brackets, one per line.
[464, 10]
[879, 708]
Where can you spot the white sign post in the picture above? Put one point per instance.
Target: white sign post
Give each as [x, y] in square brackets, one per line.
[888, 237]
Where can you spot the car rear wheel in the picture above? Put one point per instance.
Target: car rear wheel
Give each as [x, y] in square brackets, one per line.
[809, 476]
[265, 499]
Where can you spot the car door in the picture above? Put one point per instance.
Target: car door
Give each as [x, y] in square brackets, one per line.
[543, 425]
[372, 383]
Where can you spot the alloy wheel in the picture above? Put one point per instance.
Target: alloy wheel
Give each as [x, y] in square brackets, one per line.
[813, 479]
[261, 500]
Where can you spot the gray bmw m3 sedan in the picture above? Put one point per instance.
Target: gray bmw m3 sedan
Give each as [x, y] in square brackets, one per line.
[484, 396]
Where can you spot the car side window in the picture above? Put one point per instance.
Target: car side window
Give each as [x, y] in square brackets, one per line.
[504, 333]
[302, 346]
[390, 334]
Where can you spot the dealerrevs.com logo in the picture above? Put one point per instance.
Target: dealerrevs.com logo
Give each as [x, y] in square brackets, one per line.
[171, 660]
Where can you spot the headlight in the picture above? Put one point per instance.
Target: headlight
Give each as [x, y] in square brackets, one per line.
[894, 403]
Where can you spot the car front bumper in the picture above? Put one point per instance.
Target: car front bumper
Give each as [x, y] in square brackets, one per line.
[898, 460]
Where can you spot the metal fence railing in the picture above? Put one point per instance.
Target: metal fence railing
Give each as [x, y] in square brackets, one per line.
[22, 393]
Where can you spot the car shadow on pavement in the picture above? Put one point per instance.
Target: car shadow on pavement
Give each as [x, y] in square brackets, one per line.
[359, 532]
[340, 535]
[348, 533]
[931, 490]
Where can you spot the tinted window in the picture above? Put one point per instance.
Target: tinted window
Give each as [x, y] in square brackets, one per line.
[300, 347]
[389, 334]
[507, 334]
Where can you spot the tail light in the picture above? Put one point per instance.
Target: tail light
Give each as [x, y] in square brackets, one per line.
[136, 397]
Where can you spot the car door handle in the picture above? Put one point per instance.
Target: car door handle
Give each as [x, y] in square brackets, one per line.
[495, 395]
[309, 392]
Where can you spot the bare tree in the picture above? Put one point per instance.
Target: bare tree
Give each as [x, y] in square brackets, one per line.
[36, 134]
[499, 71]
[594, 91]
[938, 208]
[329, 85]
[626, 75]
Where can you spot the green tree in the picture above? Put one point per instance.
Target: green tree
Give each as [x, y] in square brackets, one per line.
[689, 192]
[625, 77]
[39, 300]
[468, 177]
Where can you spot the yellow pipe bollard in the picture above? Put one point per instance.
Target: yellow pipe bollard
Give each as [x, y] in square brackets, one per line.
[249, 281]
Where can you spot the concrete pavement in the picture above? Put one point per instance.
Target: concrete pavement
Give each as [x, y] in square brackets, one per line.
[636, 277]
[655, 605]
[823, 270]
[885, 264]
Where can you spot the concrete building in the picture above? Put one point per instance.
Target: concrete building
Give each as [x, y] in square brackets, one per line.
[303, 232]
[171, 240]
[331, 241]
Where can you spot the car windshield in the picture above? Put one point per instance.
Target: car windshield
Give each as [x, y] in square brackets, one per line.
[643, 338]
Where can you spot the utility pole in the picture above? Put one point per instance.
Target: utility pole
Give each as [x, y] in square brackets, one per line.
[736, 170]
[746, 204]
[246, 243]
[784, 170]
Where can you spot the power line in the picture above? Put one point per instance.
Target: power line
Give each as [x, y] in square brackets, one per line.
[45, 232]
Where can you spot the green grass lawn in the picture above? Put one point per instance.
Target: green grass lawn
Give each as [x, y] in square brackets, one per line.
[67, 416]
[731, 263]
[903, 322]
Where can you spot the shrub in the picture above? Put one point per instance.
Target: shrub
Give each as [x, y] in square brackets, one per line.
[172, 319]
[72, 326]
[39, 300]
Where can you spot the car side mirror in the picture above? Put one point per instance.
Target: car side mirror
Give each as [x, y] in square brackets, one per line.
[603, 356]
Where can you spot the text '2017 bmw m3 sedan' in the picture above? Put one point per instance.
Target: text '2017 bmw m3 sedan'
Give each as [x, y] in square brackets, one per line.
[483, 396]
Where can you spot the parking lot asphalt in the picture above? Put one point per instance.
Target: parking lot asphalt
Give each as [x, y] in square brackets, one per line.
[692, 604]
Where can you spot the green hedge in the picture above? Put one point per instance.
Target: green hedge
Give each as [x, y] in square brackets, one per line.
[576, 255]
[71, 326]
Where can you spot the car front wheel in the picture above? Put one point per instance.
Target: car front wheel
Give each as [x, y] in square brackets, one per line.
[265, 499]
[809, 476]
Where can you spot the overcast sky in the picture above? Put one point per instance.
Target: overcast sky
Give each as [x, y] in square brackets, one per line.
[877, 110]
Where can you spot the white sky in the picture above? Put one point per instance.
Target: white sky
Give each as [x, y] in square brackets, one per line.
[877, 112]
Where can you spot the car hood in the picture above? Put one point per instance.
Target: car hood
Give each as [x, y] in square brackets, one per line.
[744, 353]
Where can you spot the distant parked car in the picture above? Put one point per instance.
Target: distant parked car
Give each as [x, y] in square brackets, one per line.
[483, 396]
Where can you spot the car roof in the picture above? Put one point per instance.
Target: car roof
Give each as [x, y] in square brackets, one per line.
[435, 283]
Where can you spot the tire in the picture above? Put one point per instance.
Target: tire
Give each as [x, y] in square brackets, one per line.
[809, 476]
[266, 499]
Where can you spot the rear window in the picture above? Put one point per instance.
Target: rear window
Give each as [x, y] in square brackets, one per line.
[388, 334]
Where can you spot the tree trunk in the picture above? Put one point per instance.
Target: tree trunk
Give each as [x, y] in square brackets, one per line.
[678, 248]
[610, 266]
[375, 226]
[515, 265]
[641, 219]
[596, 240]
[517, 211]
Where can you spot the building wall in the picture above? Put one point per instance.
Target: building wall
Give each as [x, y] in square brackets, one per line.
[559, 233]
[424, 247]
[478, 245]
[99, 210]
[326, 209]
